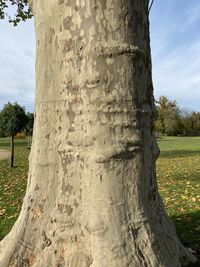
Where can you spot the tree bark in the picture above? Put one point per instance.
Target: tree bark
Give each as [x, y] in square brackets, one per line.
[92, 198]
[12, 151]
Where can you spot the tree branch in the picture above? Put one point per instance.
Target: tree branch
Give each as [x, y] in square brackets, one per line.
[151, 6]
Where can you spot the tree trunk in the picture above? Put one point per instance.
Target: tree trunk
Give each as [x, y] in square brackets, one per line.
[92, 198]
[12, 151]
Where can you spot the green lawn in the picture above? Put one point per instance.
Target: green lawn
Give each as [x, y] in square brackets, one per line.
[12, 184]
[178, 172]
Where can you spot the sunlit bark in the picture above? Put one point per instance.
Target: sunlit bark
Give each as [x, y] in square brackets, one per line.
[92, 197]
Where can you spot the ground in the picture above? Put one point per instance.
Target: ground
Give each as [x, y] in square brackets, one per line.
[12, 184]
[4, 154]
[178, 172]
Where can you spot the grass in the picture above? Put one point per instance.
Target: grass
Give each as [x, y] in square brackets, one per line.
[178, 173]
[12, 184]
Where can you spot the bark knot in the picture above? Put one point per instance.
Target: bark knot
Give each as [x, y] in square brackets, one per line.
[46, 240]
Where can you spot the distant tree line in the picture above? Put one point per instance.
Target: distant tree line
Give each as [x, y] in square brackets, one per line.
[14, 119]
[171, 120]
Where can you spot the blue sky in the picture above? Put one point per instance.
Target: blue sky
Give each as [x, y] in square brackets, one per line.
[175, 44]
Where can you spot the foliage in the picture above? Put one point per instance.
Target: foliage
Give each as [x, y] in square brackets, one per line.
[2, 133]
[20, 135]
[22, 10]
[171, 120]
[29, 125]
[190, 123]
[168, 116]
[12, 119]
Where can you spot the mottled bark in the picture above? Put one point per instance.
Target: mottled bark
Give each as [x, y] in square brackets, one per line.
[92, 196]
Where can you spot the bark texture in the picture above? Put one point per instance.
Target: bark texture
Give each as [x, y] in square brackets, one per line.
[92, 198]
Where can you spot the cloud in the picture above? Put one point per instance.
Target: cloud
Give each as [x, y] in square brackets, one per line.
[177, 75]
[16, 71]
[17, 63]
[176, 53]
[193, 14]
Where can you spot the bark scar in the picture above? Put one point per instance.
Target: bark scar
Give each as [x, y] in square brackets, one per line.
[46, 240]
[118, 50]
[122, 152]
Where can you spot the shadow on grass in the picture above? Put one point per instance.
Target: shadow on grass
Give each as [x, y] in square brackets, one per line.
[188, 229]
[179, 153]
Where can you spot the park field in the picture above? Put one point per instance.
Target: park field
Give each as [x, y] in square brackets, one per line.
[12, 184]
[178, 174]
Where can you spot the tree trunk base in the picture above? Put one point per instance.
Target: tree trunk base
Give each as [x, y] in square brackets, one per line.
[53, 245]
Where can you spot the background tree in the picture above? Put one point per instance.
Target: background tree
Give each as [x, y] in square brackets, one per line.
[13, 119]
[29, 127]
[171, 120]
[190, 122]
[168, 116]
[2, 133]
[196, 122]
[92, 197]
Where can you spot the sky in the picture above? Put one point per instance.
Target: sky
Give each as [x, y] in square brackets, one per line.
[175, 47]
